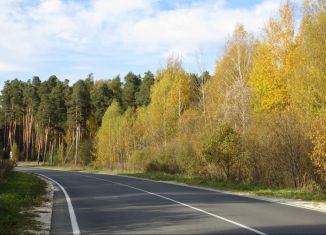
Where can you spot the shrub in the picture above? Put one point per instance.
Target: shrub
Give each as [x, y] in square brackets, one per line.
[318, 155]
[223, 148]
[85, 152]
[140, 159]
[15, 152]
[166, 167]
[165, 161]
[6, 166]
[279, 151]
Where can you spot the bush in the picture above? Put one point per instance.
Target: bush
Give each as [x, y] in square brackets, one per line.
[166, 167]
[279, 151]
[140, 159]
[6, 166]
[223, 148]
[318, 154]
[85, 152]
[15, 152]
[312, 187]
[165, 160]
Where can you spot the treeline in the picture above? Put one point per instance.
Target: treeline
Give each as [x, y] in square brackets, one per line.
[261, 118]
[51, 121]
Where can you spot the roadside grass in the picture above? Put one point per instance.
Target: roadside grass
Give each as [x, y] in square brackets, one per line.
[87, 169]
[19, 192]
[259, 190]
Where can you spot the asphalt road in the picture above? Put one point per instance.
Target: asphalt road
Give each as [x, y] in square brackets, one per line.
[108, 204]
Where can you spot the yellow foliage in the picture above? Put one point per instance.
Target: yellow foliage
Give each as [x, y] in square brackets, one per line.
[273, 64]
[231, 76]
[308, 88]
[170, 96]
[318, 155]
[108, 137]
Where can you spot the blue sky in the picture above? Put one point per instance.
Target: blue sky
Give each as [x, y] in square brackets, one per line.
[72, 38]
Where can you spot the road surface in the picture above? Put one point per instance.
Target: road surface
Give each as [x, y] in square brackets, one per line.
[110, 204]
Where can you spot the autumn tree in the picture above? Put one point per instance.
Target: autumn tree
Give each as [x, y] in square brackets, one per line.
[107, 144]
[170, 98]
[273, 62]
[308, 88]
[228, 92]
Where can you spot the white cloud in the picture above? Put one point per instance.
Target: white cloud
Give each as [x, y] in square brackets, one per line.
[5, 67]
[44, 28]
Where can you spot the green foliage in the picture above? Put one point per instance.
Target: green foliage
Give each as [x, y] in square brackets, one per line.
[85, 152]
[224, 149]
[101, 98]
[79, 109]
[131, 87]
[143, 96]
[116, 87]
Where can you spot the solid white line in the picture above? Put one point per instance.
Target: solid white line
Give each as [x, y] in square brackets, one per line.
[239, 194]
[261, 198]
[74, 224]
[181, 203]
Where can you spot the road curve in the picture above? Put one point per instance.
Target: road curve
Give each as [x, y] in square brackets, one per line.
[108, 204]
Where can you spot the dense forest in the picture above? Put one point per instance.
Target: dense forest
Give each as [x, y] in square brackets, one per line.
[260, 118]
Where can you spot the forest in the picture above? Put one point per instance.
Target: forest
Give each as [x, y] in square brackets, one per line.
[260, 118]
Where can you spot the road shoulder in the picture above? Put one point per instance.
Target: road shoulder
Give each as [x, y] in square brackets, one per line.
[44, 212]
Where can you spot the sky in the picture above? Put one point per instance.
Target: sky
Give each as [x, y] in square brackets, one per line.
[72, 38]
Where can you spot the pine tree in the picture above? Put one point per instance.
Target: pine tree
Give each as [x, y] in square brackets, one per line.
[143, 96]
[130, 88]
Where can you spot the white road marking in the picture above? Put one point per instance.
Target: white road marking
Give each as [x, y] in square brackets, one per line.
[74, 224]
[281, 201]
[181, 203]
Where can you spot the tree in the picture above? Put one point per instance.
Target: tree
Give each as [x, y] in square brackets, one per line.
[116, 87]
[229, 94]
[171, 96]
[273, 63]
[101, 98]
[12, 102]
[31, 102]
[143, 96]
[308, 88]
[199, 97]
[107, 140]
[79, 111]
[131, 87]
[224, 149]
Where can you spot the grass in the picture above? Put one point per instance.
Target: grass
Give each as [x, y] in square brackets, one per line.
[19, 192]
[259, 190]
